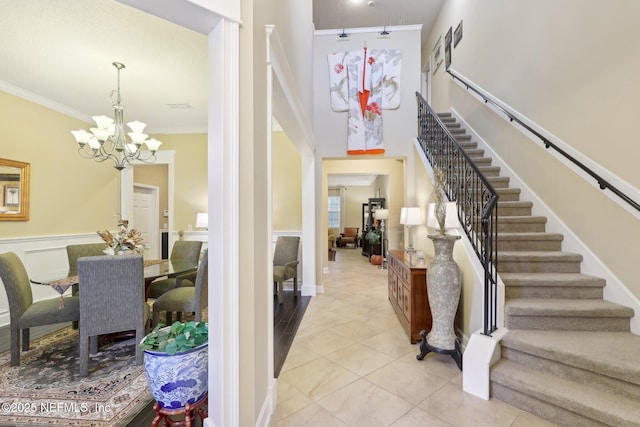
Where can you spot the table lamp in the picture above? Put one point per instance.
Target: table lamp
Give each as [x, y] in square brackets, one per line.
[382, 215]
[410, 217]
[202, 220]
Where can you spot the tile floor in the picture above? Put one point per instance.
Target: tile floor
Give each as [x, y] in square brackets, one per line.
[351, 364]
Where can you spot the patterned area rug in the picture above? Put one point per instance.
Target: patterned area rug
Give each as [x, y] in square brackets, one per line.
[46, 389]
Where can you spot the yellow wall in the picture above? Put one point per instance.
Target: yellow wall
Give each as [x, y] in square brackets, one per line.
[190, 176]
[287, 184]
[73, 195]
[68, 194]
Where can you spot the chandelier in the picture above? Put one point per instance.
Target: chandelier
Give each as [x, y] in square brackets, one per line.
[107, 141]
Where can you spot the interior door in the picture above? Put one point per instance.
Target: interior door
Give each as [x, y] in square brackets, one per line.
[146, 209]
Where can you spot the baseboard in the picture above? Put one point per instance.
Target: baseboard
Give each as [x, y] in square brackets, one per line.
[268, 405]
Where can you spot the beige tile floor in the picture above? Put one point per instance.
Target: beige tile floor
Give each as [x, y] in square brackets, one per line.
[351, 364]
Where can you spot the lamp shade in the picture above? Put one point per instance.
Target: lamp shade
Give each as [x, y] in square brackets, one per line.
[410, 216]
[382, 213]
[451, 219]
[202, 220]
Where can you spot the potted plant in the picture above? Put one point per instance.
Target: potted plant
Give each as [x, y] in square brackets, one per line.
[175, 363]
[373, 237]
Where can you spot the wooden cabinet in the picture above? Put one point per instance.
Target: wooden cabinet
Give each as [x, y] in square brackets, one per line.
[408, 293]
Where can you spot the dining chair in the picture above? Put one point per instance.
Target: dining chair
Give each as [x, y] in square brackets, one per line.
[86, 249]
[191, 297]
[23, 312]
[285, 263]
[182, 250]
[112, 300]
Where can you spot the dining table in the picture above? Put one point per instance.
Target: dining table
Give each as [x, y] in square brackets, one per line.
[153, 269]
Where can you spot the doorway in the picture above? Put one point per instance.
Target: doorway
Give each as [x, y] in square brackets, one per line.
[146, 211]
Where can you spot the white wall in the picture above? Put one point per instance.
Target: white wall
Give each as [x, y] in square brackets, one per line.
[400, 124]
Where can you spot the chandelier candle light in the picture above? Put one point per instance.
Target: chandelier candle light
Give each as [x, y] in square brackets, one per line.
[107, 141]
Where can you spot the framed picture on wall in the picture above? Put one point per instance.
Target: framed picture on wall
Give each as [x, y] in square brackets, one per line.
[437, 55]
[457, 34]
[447, 49]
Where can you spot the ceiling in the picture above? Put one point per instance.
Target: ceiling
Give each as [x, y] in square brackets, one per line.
[341, 14]
[60, 54]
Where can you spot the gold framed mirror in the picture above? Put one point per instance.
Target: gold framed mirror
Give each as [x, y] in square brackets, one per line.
[14, 190]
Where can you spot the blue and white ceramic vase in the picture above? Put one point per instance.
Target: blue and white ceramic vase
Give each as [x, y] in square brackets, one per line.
[175, 380]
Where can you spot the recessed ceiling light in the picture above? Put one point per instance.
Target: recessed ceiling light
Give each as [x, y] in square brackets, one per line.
[182, 106]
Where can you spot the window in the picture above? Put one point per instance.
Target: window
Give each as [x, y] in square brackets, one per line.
[334, 211]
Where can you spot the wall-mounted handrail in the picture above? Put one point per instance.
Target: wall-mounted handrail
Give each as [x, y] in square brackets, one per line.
[476, 200]
[602, 183]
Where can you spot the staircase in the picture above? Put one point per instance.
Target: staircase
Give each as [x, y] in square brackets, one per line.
[568, 356]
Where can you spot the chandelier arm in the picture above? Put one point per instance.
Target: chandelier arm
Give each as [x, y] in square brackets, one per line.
[116, 146]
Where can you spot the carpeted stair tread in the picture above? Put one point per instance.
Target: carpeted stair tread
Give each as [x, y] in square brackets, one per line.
[522, 218]
[602, 406]
[552, 279]
[539, 256]
[565, 308]
[591, 351]
[531, 236]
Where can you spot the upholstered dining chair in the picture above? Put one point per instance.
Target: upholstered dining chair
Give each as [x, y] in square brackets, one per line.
[86, 249]
[112, 300]
[76, 251]
[182, 250]
[285, 263]
[23, 312]
[185, 297]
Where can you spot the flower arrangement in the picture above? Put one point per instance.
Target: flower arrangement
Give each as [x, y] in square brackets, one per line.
[124, 241]
[440, 198]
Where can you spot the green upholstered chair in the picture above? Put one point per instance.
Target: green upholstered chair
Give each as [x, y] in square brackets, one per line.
[112, 300]
[285, 263]
[23, 312]
[87, 249]
[182, 250]
[189, 297]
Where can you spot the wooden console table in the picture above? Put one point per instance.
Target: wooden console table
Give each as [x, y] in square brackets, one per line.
[408, 292]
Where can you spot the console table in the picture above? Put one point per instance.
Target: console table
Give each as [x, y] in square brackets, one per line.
[408, 292]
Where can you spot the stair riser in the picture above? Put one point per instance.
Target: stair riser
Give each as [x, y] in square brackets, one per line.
[554, 413]
[557, 323]
[528, 266]
[529, 245]
[513, 211]
[508, 196]
[498, 182]
[474, 152]
[489, 172]
[552, 292]
[561, 368]
[521, 227]
[482, 161]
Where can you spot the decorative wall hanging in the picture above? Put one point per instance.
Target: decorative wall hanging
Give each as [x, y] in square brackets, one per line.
[364, 82]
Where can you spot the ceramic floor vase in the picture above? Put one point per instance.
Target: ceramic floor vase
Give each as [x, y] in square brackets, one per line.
[443, 289]
[175, 380]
